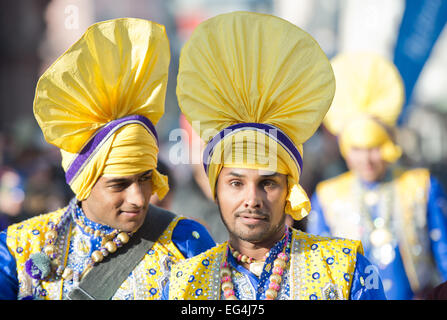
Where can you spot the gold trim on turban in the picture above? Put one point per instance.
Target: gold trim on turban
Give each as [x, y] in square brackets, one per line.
[367, 103]
[116, 69]
[245, 67]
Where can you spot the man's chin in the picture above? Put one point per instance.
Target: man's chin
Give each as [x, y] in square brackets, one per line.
[252, 235]
[260, 233]
[131, 225]
[370, 178]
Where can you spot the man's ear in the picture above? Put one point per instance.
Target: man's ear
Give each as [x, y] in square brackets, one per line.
[216, 192]
[216, 199]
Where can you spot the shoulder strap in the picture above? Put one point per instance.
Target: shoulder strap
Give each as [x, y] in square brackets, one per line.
[103, 280]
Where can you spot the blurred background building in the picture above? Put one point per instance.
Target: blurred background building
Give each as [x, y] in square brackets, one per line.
[34, 33]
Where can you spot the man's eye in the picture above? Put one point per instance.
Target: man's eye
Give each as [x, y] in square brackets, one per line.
[269, 183]
[235, 183]
[119, 186]
[145, 178]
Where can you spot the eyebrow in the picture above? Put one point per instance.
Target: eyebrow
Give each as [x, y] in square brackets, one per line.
[270, 175]
[149, 172]
[124, 180]
[117, 180]
[267, 175]
[232, 173]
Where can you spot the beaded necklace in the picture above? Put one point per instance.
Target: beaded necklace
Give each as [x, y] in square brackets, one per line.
[51, 259]
[240, 257]
[255, 266]
[275, 279]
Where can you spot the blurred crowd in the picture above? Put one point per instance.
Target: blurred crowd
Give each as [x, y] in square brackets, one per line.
[32, 180]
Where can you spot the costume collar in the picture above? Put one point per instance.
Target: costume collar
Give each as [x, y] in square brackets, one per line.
[79, 215]
[273, 253]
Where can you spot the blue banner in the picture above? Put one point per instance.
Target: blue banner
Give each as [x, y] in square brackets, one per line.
[422, 23]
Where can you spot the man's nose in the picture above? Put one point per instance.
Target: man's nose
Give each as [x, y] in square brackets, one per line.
[253, 197]
[135, 195]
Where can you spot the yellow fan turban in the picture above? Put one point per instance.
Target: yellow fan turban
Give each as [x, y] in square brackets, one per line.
[258, 87]
[367, 103]
[99, 103]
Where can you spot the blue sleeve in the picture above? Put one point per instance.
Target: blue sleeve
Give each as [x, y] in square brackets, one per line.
[316, 223]
[9, 284]
[191, 238]
[366, 282]
[437, 224]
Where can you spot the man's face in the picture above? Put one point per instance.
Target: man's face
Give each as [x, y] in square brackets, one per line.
[120, 202]
[252, 203]
[367, 163]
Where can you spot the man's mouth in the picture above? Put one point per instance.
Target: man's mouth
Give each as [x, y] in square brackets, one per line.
[252, 217]
[131, 213]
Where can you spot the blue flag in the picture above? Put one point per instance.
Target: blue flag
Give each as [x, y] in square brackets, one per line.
[422, 23]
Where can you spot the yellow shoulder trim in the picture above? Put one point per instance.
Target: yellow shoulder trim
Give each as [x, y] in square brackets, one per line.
[413, 175]
[28, 236]
[332, 242]
[336, 188]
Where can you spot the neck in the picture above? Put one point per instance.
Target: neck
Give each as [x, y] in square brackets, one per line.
[382, 177]
[90, 217]
[255, 250]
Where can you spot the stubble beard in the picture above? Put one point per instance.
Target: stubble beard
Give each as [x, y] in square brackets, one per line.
[255, 237]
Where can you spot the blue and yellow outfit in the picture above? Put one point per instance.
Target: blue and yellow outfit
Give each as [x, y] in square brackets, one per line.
[183, 238]
[260, 86]
[321, 268]
[417, 257]
[400, 219]
[99, 103]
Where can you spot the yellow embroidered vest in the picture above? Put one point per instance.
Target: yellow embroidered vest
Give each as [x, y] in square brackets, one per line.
[409, 204]
[144, 282]
[319, 268]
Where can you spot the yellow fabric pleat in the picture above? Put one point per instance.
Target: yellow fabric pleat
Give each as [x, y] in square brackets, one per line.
[366, 132]
[248, 67]
[368, 99]
[116, 69]
[120, 156]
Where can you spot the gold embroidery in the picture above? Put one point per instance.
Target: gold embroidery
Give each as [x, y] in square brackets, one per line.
[316, 262]
[144, 282]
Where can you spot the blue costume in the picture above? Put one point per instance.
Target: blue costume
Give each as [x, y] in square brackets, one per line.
[183, 238]
[362, 280]
[403, 274]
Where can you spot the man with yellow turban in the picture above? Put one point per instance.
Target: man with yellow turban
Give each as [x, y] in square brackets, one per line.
[99, 103]
[256, 87]
[398, 214]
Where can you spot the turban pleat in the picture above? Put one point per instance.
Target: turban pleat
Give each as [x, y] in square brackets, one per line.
[265, 74]
[99, 102]
[367, 103]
